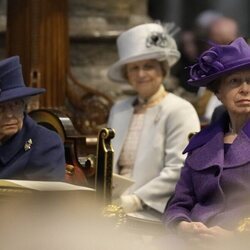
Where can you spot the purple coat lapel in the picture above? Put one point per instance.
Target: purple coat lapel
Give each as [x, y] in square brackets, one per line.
[206, 149]
[209, 154]
[239, 152]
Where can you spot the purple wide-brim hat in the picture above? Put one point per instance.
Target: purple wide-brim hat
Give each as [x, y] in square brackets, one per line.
[11, 81]
[218, 61]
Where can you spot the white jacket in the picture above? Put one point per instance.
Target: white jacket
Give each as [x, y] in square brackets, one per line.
[163, 138]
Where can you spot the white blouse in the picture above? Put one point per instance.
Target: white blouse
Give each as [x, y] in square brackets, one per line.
[129, 150]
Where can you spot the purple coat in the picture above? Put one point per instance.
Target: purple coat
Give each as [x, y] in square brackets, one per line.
[214, 186]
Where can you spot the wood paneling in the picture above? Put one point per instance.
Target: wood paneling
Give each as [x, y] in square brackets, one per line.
[37, 31]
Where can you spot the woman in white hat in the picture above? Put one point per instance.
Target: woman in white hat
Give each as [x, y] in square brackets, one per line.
[151, 128]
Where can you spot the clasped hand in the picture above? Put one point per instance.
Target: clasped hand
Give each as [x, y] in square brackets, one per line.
[130, 203]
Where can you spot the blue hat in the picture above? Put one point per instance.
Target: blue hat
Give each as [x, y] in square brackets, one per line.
[11, 81]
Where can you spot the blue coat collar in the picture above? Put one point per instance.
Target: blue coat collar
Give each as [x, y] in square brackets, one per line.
[9, 149]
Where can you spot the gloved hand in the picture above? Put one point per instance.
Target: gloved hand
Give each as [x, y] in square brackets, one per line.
[131, 203]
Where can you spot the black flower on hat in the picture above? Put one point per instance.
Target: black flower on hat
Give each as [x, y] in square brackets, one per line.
[208, 63]
[157, 39]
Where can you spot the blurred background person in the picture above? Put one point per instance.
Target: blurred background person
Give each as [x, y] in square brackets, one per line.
[189, 52]
[191, 44]
[221, 30]
[27, 150]
[152, 128]
[201, 27]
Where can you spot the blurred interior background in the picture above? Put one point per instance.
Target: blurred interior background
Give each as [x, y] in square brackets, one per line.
[89, 30]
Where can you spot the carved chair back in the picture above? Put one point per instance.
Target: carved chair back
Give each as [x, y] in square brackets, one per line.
[89, 159]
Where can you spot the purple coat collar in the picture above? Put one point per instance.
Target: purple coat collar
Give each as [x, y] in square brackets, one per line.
[206, 149]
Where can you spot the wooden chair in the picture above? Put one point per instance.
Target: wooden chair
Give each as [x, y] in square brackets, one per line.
[89, 160]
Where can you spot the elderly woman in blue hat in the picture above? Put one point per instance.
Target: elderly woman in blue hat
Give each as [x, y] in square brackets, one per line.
[27, 150]
[152, 128]
[212, 195]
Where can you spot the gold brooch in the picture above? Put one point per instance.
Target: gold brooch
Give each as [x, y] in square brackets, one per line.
[244, 225]
[27, 145]
[116, 213]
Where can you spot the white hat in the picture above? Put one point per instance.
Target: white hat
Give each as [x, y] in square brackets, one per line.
[146, 41]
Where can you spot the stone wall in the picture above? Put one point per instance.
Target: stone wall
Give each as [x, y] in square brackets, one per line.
[93, 29]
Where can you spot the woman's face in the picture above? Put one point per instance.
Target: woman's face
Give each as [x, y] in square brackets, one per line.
[234, 92]
[11, 118]
[145, 76]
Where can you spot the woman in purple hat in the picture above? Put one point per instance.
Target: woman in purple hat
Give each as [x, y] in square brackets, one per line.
[212, 195]
[151, 127]
[27, 150]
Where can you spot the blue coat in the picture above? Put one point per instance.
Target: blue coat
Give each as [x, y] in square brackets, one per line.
[214, 186]
[34, 153]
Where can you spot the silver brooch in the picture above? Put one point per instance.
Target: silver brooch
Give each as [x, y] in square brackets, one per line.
[27, 145]
[157, 39]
